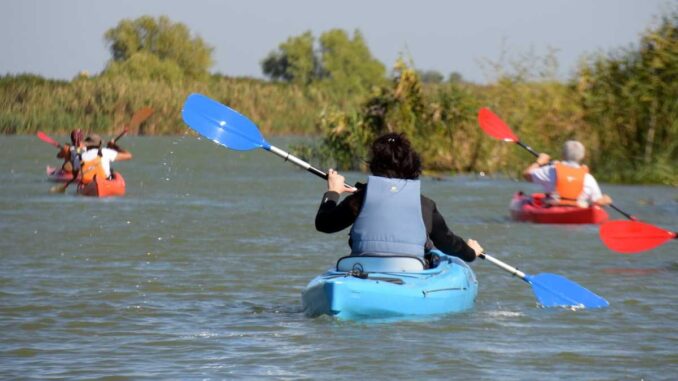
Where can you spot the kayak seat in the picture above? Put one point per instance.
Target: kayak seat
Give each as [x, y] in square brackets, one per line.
[380, 263]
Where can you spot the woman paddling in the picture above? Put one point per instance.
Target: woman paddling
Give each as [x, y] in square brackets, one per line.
[70, 153]
[389, 215]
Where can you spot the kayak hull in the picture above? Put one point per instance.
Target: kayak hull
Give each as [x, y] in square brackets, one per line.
[530, 209]
[58, 175]
[449, 288]
[114, 187]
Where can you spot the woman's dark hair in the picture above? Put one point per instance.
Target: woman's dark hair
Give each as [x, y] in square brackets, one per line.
[393, 157]
[76, 137]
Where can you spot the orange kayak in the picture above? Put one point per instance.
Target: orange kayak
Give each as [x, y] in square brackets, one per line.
[533, 209]
[104, 188]
[58, 175]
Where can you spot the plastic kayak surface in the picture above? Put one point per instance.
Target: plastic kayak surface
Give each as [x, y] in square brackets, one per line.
[533, 209]
[449, 287]
[58, 175]
[104, 187]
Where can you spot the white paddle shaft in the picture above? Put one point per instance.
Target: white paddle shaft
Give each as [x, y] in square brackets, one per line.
[506, 267]
[300, 163]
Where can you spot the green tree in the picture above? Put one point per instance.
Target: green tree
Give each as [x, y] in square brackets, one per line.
[439, 125]
[629, 99]
[455, 77]
[144, 65]
[430, 76]
[157, 48]
[294, 60]
[343, 64]
[347, 64]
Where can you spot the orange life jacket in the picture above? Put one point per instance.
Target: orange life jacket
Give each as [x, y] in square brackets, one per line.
[569, 183]
[92, 170]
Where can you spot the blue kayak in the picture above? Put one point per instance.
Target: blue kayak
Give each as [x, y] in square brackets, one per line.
[391, 287]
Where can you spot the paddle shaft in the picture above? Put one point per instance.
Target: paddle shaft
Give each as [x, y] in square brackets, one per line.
[61, 188]
[630, 217]
[115, 139]
[300, 163]
[528, 148]
[510, 269]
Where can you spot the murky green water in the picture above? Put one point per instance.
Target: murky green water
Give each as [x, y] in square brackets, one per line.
[197, 273]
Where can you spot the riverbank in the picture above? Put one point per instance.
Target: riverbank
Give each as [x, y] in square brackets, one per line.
[440, 118]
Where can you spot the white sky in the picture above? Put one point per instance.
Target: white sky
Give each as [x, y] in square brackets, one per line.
[59, 38]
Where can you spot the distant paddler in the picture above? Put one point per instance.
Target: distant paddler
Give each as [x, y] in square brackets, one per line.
[567, 182]
[70, 153]
[96, 160]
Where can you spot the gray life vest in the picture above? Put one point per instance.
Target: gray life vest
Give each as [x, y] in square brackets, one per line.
[390, 221]
[75, 158]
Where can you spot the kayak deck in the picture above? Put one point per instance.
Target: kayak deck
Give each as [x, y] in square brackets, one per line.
[448, 288]
[524, 208]
[58, 175]
[114, 187]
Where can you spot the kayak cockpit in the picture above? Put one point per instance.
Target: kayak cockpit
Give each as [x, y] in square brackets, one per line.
[380, 264]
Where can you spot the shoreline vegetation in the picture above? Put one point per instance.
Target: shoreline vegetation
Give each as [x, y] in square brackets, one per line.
[622, 105]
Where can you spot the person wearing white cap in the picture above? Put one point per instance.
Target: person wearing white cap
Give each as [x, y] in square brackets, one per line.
[567, 182]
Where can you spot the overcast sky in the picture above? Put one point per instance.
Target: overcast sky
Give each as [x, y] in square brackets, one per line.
[59, 38]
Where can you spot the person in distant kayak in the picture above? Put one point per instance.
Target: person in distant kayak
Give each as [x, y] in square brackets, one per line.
[567, 182]
[389, 216]
[96, 161]
[70, 153]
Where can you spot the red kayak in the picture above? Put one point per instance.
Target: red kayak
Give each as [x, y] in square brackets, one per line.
[58, 175]
[534, 209]
[104, 188]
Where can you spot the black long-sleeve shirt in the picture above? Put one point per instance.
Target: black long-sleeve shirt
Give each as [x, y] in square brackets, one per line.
[334, 216]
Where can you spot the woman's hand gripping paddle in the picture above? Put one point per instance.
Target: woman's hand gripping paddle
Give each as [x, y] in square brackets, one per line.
[552, 290]
[233, 130]
[496, 128]
[632, 237]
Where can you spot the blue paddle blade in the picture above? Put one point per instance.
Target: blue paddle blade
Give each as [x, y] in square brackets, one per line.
[553, 290]
[222, 124]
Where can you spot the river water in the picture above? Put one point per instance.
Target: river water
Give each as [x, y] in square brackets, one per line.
[197, 274]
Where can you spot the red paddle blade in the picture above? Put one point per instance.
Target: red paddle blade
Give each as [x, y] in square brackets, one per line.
[42, 136]
[631, 237]
[494, 126]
